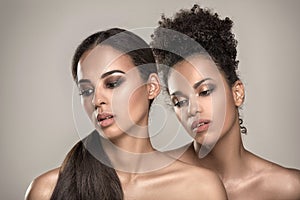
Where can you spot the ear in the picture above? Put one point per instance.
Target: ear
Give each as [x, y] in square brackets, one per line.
[238, 93]
[153, 86]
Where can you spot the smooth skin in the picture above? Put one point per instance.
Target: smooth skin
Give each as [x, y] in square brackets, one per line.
[102, 93]
[178, 181]
[244, 175]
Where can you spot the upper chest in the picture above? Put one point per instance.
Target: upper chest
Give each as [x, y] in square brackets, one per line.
[163, 186]
[257, 187]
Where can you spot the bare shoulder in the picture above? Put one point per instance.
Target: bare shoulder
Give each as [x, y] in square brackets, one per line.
[202, 182]
[41, 188]
[208, 183]
[275, 181]
[284, 180]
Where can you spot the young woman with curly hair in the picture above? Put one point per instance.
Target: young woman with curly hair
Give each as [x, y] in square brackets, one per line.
[206, 93]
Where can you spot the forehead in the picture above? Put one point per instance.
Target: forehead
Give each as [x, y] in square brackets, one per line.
[102, 59]
[193, 69]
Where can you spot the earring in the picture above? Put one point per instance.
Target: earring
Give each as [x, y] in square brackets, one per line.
[242, 127]
[238, 95]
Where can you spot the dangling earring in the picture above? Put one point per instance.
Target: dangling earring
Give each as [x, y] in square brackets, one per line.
[242, 128]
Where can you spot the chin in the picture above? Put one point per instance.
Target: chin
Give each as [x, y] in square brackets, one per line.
[109, 133]
[208, 140]
[112, 134]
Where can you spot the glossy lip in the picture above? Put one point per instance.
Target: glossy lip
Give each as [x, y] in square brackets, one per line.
[105, 119]
[200, 125]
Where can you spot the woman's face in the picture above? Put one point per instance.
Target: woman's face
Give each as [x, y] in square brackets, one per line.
[112, 91]
[202, 99]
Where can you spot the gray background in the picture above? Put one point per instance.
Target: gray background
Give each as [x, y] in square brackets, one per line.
[38, 39]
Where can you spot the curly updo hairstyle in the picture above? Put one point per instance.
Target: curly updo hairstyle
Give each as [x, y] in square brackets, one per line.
[207, 29]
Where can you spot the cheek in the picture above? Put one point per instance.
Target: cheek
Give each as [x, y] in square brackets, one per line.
[121, 99]
[225, 113]
[178, 114]
[206, 105]
[88, 106]
[231, 109]
[129, 101]
[182, 115]
[138, 101]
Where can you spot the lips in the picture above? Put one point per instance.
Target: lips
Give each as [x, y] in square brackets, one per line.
[105, 119]
[200, 125]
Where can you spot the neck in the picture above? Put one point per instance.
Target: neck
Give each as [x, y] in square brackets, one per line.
[227, 158]
[132, 155]
[133, 144]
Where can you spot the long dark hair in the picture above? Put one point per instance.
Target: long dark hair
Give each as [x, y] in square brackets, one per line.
[82, 175]
[125, 41]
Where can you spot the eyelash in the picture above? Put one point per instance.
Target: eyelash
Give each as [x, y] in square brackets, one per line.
[181, 103]
[86, 92]
[110, 85]
[114, 84]
[208, 91]
[204, 93]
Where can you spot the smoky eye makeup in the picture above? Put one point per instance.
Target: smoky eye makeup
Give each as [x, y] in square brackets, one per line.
[85, 90]
[113, 81]
[179, 100]
[85, 87]
[205, 89]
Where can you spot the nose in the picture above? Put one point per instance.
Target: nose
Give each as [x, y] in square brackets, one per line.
[193, 106]
[99, 97]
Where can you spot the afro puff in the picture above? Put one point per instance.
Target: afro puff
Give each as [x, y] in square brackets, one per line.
[204, 27]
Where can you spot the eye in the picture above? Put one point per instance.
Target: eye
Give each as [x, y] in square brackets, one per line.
[114, 83]
[86, 92]
[180, 102]
[207, 90]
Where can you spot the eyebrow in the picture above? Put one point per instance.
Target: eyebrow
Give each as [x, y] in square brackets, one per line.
[177, 93]
[83, 81]
[200, 82]
[111, 72]
[102, 76]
